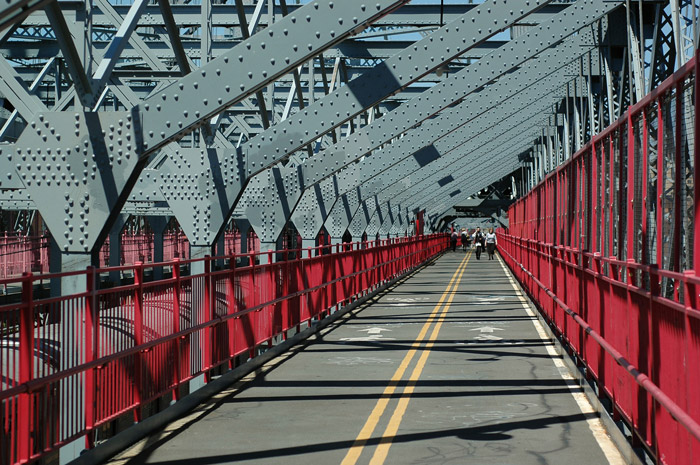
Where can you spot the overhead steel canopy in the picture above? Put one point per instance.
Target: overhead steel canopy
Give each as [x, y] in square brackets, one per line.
[81, 171]
[288, 187]
[447, 147]
[340, 114]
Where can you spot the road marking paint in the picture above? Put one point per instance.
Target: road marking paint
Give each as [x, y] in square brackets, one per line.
[594, 424]
[358, 445]
[487, 329]
[392, 428]
[376, 330]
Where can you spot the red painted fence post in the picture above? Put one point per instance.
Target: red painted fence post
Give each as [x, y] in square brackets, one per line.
[660, 184]
[177, 286]
[208, 317]
[91, 353]
[696, 168]
[26, 368]
[138, 338]
[231, 304]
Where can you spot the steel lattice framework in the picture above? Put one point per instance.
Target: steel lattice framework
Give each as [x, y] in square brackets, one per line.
[349, 118]
[353, 117]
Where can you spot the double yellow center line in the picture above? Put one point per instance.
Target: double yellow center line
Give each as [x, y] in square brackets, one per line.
[436, 317]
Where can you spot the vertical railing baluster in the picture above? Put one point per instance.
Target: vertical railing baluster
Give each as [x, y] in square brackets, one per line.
[91, 353]
[25, 412]
[177, 288]
[138, 338]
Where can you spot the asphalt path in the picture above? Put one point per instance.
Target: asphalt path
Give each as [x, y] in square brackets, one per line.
[449, 367]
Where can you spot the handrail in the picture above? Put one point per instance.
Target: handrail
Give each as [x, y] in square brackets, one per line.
[137, 336]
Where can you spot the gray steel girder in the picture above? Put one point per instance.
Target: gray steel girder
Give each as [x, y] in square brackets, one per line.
[499, 153]
[80, 169]
[456, 149]
[14, 11]
[384, 213]
[466, 184]
[440, 96]
[423, 195]
[248, 67]
[189, 15]
[308, 216]
[534, 74]
[361, 219]
[454, 88]
[363, 49]
[394, 217]
[397, 174]
[493, 171]
[400, 221]
[442, 154]
[439, 202]
[203, 224]
[341, 214]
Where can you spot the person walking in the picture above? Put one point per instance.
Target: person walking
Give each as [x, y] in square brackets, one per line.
[478, 237]
[490, 243]
[465, 239]
[453, 240]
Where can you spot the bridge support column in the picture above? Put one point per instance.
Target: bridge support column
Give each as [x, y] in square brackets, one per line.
[197, 317]
[308, 243]
[220, 250]
[267, 250]
[71, 400]
[158, 225]
[115, 248]
[243, 226]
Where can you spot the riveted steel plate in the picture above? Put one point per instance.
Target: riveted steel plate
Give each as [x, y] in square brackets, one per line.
[77, 168]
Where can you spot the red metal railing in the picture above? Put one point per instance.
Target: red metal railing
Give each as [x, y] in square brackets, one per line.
[20, 254]
[23, 253]
[607, 248]
[137, 248]
[70, 364]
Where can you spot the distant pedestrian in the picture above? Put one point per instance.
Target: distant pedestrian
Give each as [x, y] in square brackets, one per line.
[491, 243]
[453, 240]
[465, 239]
[478, 238]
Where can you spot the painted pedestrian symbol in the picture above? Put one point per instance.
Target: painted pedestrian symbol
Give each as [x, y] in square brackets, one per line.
[487, 337]
[487, 329]
[373, 334]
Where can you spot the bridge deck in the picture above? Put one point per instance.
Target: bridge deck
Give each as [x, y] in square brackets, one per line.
[449, 367]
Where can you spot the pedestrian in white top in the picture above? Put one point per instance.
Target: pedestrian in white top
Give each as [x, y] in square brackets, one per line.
[491, 243]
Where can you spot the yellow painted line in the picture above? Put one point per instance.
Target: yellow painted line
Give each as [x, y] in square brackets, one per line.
[355, 450]
[392, 428]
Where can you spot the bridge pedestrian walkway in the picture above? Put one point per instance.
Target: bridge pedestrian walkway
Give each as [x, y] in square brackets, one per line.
[450, 367]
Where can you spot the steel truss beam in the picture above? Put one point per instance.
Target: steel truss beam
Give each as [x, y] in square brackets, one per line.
[438, 137]
[471, 160]
[462, 154]
[404, 121]
[189, 15]
[329, 189]
[202, 224]
[467, 181]
[474, 156]
[88, 163]
[15, 11]
[477, 184]
[442, 202]
[455, 88]
[38, 48]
